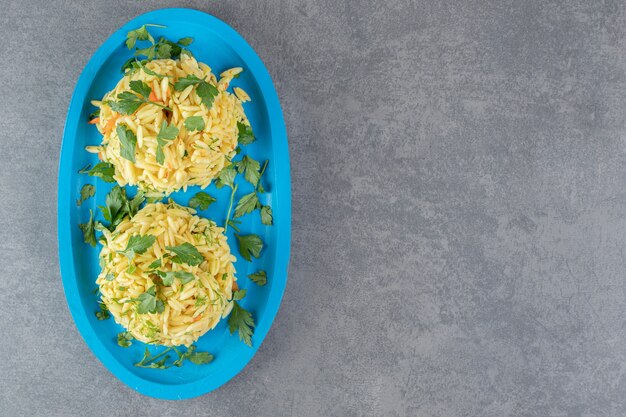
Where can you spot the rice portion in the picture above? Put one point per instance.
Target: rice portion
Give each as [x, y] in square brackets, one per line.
[194, 157]
[189, 309]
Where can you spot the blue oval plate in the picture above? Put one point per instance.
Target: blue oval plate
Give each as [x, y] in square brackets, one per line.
[221, 47]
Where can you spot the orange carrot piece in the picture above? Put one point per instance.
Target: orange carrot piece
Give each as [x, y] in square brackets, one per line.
[94, 121]
[153, 97]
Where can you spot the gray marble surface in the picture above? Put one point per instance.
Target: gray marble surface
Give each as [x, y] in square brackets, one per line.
[459, 210]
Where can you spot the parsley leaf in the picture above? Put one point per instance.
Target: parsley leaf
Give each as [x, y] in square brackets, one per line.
[168, 277]
[241, 320]
[267, 217]
[247, 204]
[202, 200]
[87, 191]
[138, 244]
[128, 141]
[259, 278]
[155, 264]
[194, 123]
[124, 339]
[185, 82]
[140, 34]
[89, 233]
[185, 41]
[117, 206]
[103, 313]
[249, 245]
[166, 133]
[149, 303]
[128, 103]
[250, 169]
[206, 91]
[102, 170]
[239, 294]
[245, 136]
[200, 358]
[226, 177]
[186, 253]
[141, 88]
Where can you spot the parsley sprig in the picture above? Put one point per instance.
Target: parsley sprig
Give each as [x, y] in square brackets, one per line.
[205, 90]
[160, 361]
[166, 134]
[128, 102]
[241, 320]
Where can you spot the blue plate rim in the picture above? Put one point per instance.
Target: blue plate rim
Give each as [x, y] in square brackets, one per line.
[282, 194]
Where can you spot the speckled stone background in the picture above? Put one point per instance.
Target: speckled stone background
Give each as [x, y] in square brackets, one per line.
[459, 210]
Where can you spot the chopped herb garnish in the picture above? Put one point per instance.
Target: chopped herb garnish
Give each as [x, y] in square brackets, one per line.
[239, 294]
[230, 207]
[194, 123]
[168, 277]
[103, 313]
[250, 169]
[241, 320]
[89, 232]
[249, 245]
[205, 90]
[186, 253]
[149, 303]
[128, 141]
[247, 204]
[102, 170]
[185, 41]
[192, 355]
[245, 135]
[124, 339]
[87, 191]
[266, 216]
[166, 133]
[226, 177]
[138, 244]
[201, 200]
[259, 278]
[155, 264]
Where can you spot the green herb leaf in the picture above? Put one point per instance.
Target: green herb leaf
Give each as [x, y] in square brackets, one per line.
[207, 92]
[166, 133]
[186, 253]
[140, 34]
[239, 294]
[185, 82]
[185, 41]
[267, 217]
[128, 141]
[127, 103]
[163, 51]
[194, 123]
[124, 339]
[138, 244]
[247, 204]
[95, 114]
[249, 245]
[87, 191]
[200, 358]
[155, 264]
[226, 177]
[141, 88]
[241, 320]
[117, 206]
[103, 313]
[168, 277]
[89, 233]
[149, 303]
[245, 136]
[109, 277]
[250, 169]
[202, 200]
[259, 278]
[148, 70]
[102, 170]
